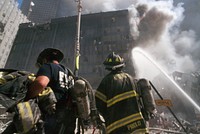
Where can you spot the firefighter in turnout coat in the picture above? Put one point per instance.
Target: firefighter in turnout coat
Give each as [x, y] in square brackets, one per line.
[116, 100]
[61, 118]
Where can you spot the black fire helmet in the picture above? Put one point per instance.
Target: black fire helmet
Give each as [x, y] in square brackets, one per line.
[50, 54]
[114, 61]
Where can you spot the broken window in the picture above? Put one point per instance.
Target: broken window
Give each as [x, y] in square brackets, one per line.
[2, 25]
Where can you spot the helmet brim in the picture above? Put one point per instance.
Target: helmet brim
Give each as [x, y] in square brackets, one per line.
[109, 67]
[51, 53]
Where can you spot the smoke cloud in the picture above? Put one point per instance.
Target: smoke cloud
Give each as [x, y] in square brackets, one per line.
[161, 36]
[166, 34]
[160, 27]
[69, 8]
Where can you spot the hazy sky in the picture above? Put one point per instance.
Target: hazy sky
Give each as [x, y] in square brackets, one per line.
[20, 2]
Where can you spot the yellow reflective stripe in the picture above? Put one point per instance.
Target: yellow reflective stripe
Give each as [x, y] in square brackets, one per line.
[121, 97]
[117, 59]
[31, 77]
[77, 62]
[120, 76]
[110, 60]
[2, 81]
[22, 114]
[46, 91]
[124, 121]
[12, 76]
[101, 96]
[141, 131]
[30, 114]
[22, 107]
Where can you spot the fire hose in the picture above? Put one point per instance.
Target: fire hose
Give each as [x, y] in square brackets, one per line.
[169, 108]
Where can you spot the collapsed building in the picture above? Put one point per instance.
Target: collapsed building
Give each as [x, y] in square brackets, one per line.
[190, 83]
[181, 106]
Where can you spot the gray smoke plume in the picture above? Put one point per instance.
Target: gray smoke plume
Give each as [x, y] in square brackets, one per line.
[159, 33]
[164, 28]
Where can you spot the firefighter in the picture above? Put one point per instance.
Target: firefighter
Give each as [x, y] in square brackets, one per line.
[116, 100]
[61, 118]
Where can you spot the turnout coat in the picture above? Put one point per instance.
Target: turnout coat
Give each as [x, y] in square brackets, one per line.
[116, 100]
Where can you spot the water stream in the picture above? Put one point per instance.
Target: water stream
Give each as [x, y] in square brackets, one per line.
[138, 52]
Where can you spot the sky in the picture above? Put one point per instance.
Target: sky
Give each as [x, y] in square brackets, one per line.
[20, 2]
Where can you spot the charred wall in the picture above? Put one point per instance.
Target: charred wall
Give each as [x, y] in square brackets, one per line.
[101, 33]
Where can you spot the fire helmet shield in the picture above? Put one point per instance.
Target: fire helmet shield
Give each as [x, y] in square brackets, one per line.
[113, 61]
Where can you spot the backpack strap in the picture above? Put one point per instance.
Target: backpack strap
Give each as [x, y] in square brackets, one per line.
[138, 91]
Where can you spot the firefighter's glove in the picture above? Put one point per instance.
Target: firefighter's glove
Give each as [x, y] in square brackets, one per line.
[51, 109]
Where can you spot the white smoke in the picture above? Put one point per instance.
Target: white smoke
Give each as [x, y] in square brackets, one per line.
[158, 32]
[69, 8]
[155, 26]
[105, 5]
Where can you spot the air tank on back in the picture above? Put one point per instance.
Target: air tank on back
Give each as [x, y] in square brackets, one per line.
[146, 98]
[80, 95]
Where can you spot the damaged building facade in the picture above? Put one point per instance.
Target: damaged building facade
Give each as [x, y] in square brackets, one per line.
[101, 33]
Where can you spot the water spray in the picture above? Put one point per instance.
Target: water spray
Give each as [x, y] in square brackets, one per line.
[168, 107]
[140, 51]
